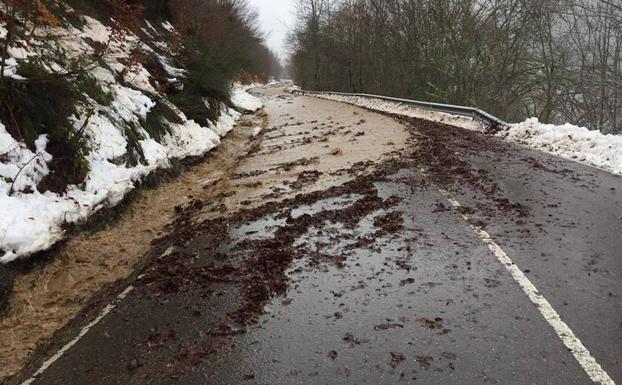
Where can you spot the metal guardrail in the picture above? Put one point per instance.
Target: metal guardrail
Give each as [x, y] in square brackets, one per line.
[446, 108]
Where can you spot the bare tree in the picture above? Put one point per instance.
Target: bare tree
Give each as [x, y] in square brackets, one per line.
[558, 60]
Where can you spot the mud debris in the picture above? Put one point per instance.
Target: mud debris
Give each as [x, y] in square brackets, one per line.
[211, 261]
[450, 169]
[305, 178]
[389, 223]
[424, 361]
[436, 323]
[396, 359]
[389, 325]
[297, 163]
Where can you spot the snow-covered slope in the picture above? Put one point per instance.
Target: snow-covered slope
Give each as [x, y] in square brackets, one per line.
[568, 141]
[32, 220]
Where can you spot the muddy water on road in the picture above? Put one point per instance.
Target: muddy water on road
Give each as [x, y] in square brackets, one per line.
[371, 282]
[396, 290]
[310, 145]
[336, 269]
[48, 297]
[305, 144]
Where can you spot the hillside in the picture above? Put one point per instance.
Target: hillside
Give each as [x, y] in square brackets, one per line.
[94, 98]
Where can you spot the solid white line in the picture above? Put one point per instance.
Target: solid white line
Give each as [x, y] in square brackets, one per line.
[572, 342]
[82, 333]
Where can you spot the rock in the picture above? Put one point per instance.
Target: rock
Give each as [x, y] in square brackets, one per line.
[6, 285]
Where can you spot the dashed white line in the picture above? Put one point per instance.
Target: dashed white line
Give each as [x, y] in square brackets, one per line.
[82, 333]
[596, 373]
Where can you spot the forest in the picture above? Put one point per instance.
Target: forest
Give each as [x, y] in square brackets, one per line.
[225, 32]
[557, 60]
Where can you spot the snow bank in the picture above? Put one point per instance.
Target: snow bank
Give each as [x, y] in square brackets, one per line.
[241, 98]
[22, 167]
[567, 141]
[244, 100]
[570, 142]
[31, 220]
[406, 110]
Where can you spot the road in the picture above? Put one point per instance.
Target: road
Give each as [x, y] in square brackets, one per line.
[357, 248]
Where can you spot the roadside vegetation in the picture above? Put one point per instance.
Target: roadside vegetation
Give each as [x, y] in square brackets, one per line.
[43, 84]
[96, 96]
[557, 60]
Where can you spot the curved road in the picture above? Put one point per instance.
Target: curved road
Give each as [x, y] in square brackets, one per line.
[355, 248]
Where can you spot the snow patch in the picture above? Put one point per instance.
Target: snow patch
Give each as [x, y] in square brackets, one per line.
[10, 69]
[170, 70]
[242, 99]
[33, 222]
[95, 30]
[139, 77]
[190, 139]
[20, 168]
[226, 122]
[168, 26]
[130, 103]
[569, 141]
[256, 130]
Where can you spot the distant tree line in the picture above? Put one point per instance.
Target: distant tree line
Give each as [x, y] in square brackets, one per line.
[228, 31]
[558, 60]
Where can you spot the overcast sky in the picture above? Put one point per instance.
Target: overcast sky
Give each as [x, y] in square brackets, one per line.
[275, 17]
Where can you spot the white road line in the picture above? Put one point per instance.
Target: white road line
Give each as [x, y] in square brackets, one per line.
[572, 342]
[82, 333]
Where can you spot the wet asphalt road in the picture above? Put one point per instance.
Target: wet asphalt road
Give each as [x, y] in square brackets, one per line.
[378, 282]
